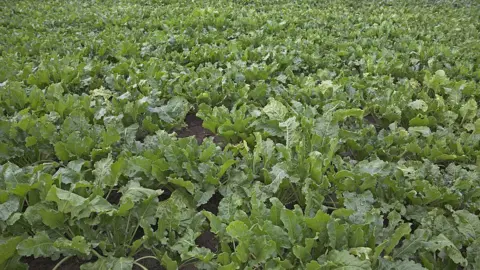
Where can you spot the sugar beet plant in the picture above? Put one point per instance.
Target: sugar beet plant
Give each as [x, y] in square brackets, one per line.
[347, 134]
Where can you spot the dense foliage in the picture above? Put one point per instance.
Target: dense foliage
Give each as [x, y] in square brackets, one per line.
[347, 133]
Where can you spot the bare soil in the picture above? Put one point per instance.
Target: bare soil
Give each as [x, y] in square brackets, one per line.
[194, 128]
[48, 264]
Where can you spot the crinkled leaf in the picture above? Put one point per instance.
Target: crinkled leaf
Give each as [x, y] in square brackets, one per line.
[40, 245]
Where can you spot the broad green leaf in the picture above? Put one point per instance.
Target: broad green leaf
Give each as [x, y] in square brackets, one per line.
[175, 110]
[134, 192]
[107, 171]
[418, 105]
[276, 233]
[410, 246]
[8, 246]
[468, 224]
[66, 201]
[262, 249]
[357, 238]
[401, 231]
[275, 110]
[182, 183]
[400, 265]
[441, 242]
[39, 245]
[313, 265]
[52, 218]
[242, 251]
[238, 230]
[168, 263]
[344, 260]
[468, 110]
[303, 253]
[230, 266]
[109, 263]
[9, 207]
[290, 126]
[15, 263]
[225, 167]
[78, 245]
[337, 234]
[319, 222]
[292, 224]
[342, 114]
[360, 203]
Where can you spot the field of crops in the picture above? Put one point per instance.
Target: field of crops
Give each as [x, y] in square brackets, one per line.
[246, 134]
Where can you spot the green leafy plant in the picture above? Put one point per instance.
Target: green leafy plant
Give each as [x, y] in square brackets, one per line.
[332, 134]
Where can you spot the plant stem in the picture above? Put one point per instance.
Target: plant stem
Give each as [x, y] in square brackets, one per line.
[60, 262]
[96, 254]
[146, 257]
[71, 232]
[127, 229]
[140, 265]
[109, 191]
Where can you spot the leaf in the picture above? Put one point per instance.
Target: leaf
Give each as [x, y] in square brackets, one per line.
[319, 222]
[289, 127]
[262, 249]
[230, 266]
[473, 254]
[418, 105]
[9, 207]
[410, 246]
[225, 167]
[242, 252]
[441, 242]
[424, 131]
[360, 203]
[401, 231]
[277, 233]
[182, 183]
[344, 260]
[174, 111]
[292, 224]
[373, 167]
[238, 230]
[275, 110]
[185, 243]
[325, 128]
[468, 110]
[134, 192]
[100, 205]
[303, 253]
[40, 245]
[52, 218]
[66, 201]
[146, 210]
[8, 246]
[342, 114]
[228, 206]
[278, 174]
[313, 265]
[468, 224]
[337, 234]
[357, 238]
[168, 263]
[399, 265]
[216, 224]
[109, 263]
[107, 171]
[137, 165]
[15, 263]
[77, 246]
